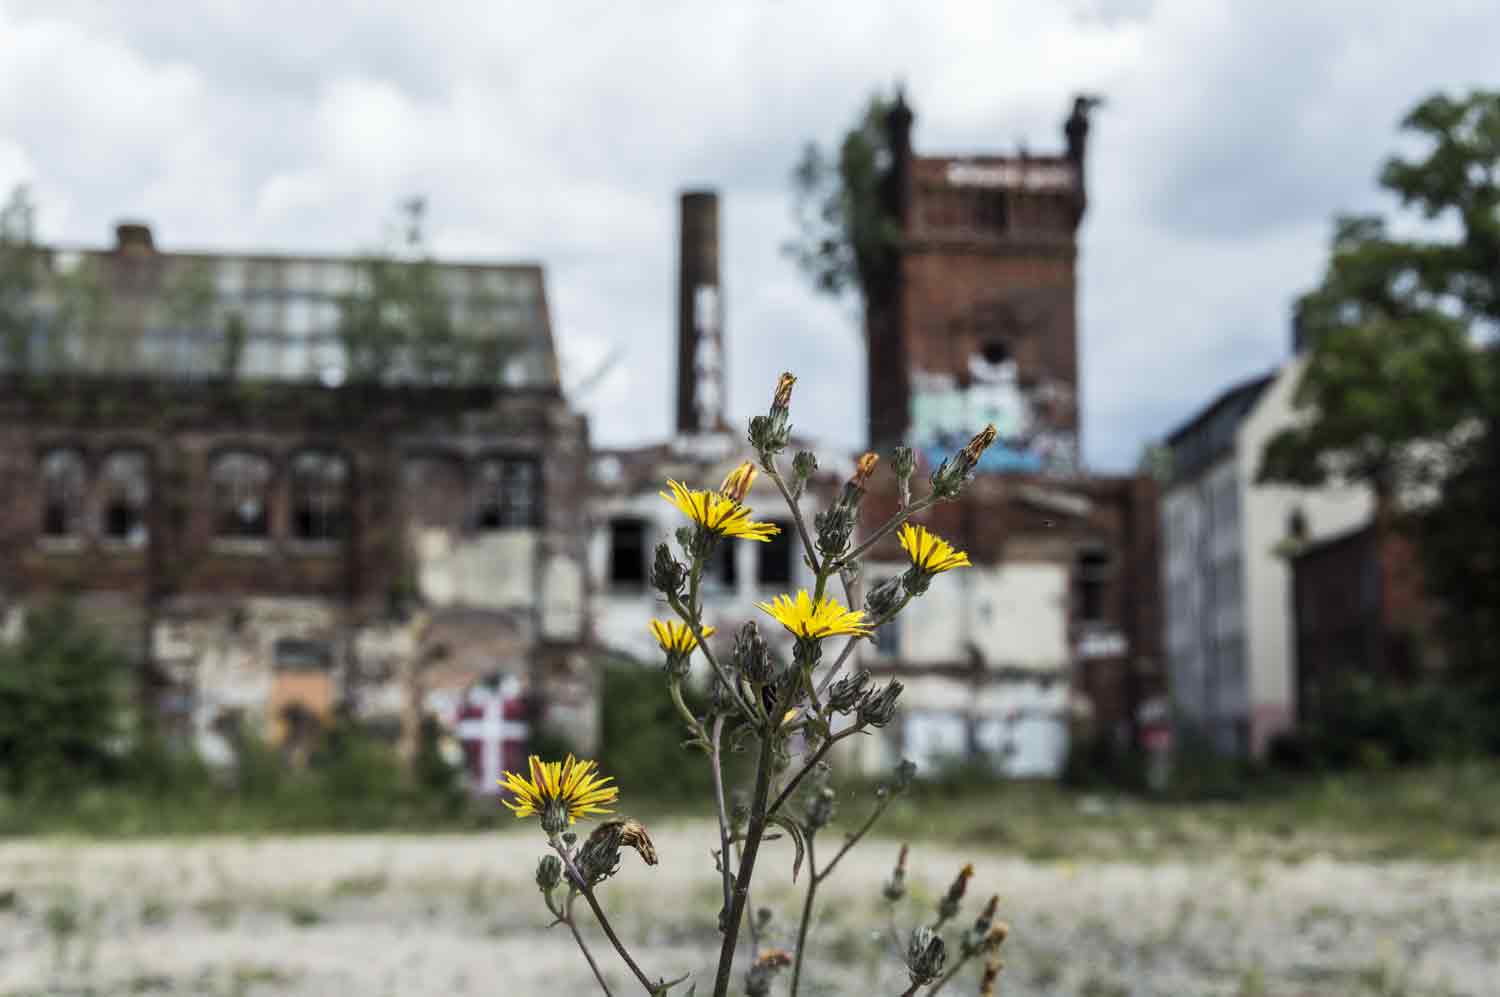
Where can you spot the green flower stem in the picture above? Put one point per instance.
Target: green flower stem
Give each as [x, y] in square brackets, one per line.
[963, 960]
[716, 760]
[674, 689]
[838, 664]
[769, 463]
[567, 918]
[901, 516]
[815, 879]
[754, 831]
[587, 892]
[691, 618]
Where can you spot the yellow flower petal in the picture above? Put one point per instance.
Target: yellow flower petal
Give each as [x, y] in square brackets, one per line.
[826, 618]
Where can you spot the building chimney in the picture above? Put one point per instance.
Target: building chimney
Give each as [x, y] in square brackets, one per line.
[700, 318]
[133, 238]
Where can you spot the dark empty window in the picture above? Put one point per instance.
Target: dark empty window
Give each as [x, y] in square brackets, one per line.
[1092, 573]
[776, 556]
[996, 352]
[508, 493]
[723, 569]
[62, 493]
[242, 495]
[320, 486]
[627, 552]
[124, 485]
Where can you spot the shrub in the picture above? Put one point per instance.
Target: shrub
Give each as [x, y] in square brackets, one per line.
[60, 705]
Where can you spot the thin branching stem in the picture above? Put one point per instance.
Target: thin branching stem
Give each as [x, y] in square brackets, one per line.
[807, 905]
[716, 761]
[838, 664]
[807, 767]
[754, 831]
[587, 893]
[901, 516]
[769, 463]
[573, 927]
[943, 980]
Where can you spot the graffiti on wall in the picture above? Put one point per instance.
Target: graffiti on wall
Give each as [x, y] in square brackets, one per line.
[944, 415]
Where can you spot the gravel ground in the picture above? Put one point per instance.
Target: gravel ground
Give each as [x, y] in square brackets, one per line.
[416, 915]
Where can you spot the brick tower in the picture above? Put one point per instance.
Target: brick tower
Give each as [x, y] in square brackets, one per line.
[978, 322]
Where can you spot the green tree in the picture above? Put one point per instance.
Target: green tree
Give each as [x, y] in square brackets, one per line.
[1395, 391]
[20, 277]
[60, 704]
[847, 233]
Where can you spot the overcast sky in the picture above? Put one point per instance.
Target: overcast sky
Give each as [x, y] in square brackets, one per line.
[563, 132]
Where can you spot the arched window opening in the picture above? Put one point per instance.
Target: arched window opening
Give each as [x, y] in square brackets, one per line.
[242, 495]
[63, 479]
[320, 505]
[125, 490]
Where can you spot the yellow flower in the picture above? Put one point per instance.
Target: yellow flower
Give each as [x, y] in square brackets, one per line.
[676, 637]
[930, 553]
[826, 618]
[718, 513]
[560, 792]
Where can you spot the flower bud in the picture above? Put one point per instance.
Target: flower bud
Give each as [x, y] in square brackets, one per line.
[884, 599]
[879, 708]
[975, 938]
[737, 484]
[948, 906]
[548, 873]
[951, 475]
[820, 808]
[804, 465]
[863, 469]
[752, 658]
[835, 526]
[847, 693]
[763, 971]
[667, 573]
[781, 401]
[600, 855]
[903, 462]
[925, 956]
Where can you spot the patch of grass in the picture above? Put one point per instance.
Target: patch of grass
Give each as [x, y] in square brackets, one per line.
[304, 915]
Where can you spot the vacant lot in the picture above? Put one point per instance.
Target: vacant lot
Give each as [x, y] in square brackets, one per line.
[458, 914]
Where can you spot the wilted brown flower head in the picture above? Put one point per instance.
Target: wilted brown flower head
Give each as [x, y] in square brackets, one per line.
[774, 959]
[978, 445]
[864, 468]
[991, 974]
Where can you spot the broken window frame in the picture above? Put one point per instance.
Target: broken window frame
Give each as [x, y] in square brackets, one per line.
[124, 483]
[507, 493]
[64, 491]
[233, 481]
[319, 480]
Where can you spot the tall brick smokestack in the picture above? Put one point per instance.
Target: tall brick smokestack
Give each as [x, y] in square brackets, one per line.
[700, 314]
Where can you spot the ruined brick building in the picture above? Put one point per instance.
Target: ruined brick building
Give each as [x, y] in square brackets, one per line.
[1055, 628]
[208, 463]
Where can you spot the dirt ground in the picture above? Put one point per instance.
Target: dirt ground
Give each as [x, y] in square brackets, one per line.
[436, 914]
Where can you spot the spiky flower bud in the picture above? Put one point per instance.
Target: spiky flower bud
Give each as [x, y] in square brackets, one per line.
[975, 937]
[903, 462]
[781, 401]
[952, 474]
[820, 808]
[804, 465]
[949, 904]
[667, 573]
[770, 433]
[925, 955]
[879, 708]
[548, 873]
[599, 856]
[845, 695]
[752, 658]
[915, 581]
[835, 525]
[884, 599]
